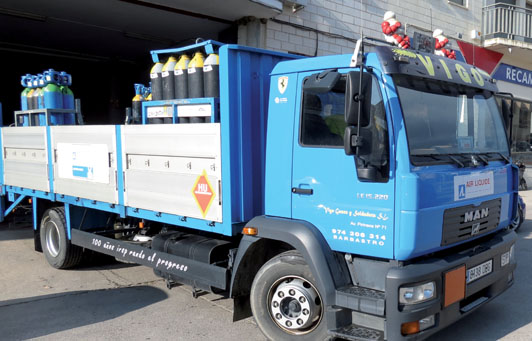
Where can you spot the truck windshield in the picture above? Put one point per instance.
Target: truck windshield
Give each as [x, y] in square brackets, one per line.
[449, 123]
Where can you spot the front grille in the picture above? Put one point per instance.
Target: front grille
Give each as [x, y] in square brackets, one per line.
[464, 222]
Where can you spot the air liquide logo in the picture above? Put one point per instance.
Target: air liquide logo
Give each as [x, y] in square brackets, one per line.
[473, 185]
[476, 215]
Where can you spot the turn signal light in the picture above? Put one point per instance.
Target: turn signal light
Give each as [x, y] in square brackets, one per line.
[141, 225]
[410, 328]
[250, 231]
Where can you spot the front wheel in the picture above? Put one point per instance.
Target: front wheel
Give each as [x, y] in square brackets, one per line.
[285, 301]
[58, 250]
[518, 220]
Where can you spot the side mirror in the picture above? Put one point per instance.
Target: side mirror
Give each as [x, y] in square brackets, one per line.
[321, 82]
[362, 141]
[354, 94]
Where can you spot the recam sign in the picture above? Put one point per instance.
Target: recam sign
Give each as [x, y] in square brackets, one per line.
[473, 185]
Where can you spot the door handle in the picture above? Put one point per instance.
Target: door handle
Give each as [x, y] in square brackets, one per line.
[306, 191]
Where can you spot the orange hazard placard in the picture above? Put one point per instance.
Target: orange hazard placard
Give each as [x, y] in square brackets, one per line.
[203, 193]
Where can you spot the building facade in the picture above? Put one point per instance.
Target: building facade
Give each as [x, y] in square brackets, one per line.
[494, 35]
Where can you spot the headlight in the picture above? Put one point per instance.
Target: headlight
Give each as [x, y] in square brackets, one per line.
[417, 294]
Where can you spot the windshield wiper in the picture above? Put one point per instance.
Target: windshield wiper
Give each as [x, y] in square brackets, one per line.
[483, 159]
[439, 157]
[458, 162]
[506, 158]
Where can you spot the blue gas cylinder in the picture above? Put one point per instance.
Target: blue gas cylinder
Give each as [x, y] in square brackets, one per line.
[68, 97]
[24, 94]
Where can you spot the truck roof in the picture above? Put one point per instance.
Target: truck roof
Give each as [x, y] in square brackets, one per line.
[398, 61]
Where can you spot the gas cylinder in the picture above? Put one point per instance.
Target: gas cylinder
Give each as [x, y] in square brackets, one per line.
[195, 76]
[34, 94]
[40, 93]
[24, 94]
[168, 78]
[137, 104]
[53, 96]
[31, 103]
[68, 95]
[195, 81]
[157, 81]
[181, 76]
[146, 93]
[211, 76]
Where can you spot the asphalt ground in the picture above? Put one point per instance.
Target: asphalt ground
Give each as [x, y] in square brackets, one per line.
[128, 302]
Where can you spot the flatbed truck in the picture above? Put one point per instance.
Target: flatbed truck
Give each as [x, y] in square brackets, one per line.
[363, 196]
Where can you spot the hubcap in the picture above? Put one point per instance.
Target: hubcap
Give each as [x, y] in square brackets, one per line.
[295, 305]
[53, 238]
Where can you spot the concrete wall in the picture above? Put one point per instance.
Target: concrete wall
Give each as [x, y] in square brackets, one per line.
[335, 24]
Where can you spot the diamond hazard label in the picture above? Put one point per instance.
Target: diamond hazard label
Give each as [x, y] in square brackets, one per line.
[203, 193]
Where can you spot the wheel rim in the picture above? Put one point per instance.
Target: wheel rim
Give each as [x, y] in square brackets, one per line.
[295, 305]
[53, 238]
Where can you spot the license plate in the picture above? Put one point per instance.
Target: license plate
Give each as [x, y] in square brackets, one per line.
[479, 271]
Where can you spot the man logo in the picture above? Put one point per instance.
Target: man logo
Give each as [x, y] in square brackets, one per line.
[282, 83]
[475, 229]
[476, 215]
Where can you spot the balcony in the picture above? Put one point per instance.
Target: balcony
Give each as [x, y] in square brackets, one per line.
[506, 26]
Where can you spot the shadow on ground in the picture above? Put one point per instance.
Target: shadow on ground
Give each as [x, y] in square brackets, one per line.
[49, 314]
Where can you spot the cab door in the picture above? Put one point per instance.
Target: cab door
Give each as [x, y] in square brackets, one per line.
[354, 216]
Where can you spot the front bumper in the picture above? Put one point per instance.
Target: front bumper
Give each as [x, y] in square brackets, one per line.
[477, 293]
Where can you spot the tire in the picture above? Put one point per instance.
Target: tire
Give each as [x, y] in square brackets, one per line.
[518, 220]
[57, 249]
[285, 301]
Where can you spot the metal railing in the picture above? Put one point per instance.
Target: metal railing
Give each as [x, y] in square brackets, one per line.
[507, 21]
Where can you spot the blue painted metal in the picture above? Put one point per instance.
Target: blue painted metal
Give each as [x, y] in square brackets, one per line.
[34, 211]
[14, 204]
[198, 224]
[120, 171]
[245, 82]
[349, 213]
[214, 102]
[2, 208]
[68, 223]
[50, 158]
[210, 46]
[99, 205]
[11, 190]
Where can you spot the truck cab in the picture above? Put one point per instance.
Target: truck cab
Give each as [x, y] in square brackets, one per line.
[405, 171]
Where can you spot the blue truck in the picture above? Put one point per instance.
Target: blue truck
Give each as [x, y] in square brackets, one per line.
[364, 197]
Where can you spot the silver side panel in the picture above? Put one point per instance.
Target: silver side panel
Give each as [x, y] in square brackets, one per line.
[85, 162]
[174, 169]
[25, 157]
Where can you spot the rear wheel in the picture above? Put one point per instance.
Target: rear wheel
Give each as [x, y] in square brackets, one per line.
[58, 250]
[285, 301]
